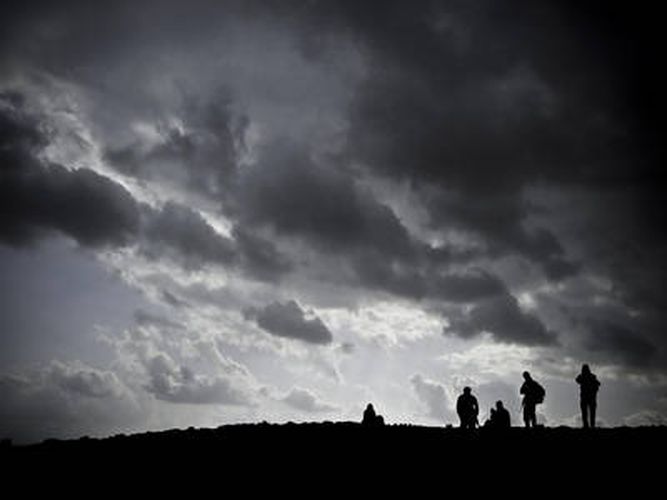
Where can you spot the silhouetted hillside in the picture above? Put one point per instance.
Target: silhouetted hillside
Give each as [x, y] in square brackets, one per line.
[395, 452]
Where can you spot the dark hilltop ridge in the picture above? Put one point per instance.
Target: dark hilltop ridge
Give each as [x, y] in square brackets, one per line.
[350, 448]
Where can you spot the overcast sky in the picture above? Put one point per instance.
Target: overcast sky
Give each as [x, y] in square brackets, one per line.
[236, 211]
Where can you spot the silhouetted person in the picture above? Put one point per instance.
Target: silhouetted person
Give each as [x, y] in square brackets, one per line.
[588, 393]
[533, 394]
[371, 418]
[500, 417]
[467, 409]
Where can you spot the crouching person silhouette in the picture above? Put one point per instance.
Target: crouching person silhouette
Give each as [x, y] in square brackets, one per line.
[500, 417]
[371, 419]
[467, 409]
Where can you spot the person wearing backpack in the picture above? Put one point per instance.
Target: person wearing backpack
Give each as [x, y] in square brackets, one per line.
[588, 387]
[533, 394]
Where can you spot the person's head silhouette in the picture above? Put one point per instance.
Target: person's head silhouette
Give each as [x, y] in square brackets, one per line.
[499, 405]
[466, 390]
[526, 376]
[585, 369]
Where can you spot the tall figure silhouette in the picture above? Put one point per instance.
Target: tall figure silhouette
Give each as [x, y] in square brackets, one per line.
[533, 394]
[467, 408]
[588, 393]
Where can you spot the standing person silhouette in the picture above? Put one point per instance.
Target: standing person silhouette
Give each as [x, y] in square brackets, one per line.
[467, 409]
[588, 393]
[533, 394]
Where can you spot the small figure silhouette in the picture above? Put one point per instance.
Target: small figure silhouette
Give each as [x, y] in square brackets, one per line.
[533, 394]
[588, 392]
[467, 409]
[371, 418]
[500, 417]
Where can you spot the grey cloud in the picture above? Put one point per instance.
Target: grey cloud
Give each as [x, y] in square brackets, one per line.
[64, 400]
[305, 400]
[489, 393]
[172, 299]
[502, 317]
[86, 381]
[433, 396]
[259, 256]
[426, 282]
[289, 320]
[179, 384]
[147, 319]
[645, 417]
[347, 348]
[179, 228]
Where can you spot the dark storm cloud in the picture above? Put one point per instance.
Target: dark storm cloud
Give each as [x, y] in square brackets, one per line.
[177, 231]
[323, 206]
[20, 134]
[39, 197]
[425, 282]
[75, 35]
[498, 219]
[474, 103]
[289, 320]
[503, 318]
[201, 152]
[288, 192]
[481, 100]
[184, 230]
[90, 208]
[36, 197]
[491, 95]
[621, 343]
[259, 257]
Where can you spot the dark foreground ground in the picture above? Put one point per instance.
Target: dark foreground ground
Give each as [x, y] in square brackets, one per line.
[344, 456]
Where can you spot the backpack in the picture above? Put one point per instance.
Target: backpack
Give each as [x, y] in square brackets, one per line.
[539, 393]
